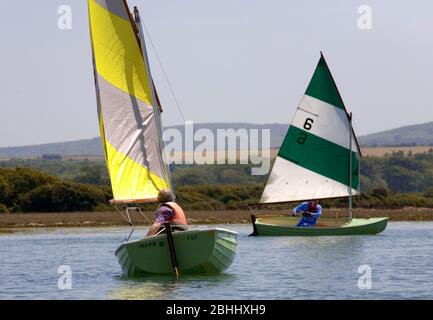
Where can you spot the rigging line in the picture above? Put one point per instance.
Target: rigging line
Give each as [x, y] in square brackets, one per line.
[163, 71]
[141, 212]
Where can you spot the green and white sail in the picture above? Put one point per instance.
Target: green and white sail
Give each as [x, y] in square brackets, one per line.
[314, 159]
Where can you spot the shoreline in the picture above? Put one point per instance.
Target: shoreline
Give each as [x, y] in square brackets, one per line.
[10, 223]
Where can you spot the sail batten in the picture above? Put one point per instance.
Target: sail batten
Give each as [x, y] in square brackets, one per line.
[129, 124]
[319, 157]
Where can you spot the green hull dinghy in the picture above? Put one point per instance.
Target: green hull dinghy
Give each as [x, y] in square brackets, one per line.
[196, 252]
[129, 113]
[286, 226]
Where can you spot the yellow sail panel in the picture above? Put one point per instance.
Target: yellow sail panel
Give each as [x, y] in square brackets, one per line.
[129, 123]
[118, 55]
[132, 181]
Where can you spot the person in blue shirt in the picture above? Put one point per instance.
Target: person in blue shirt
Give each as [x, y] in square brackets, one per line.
[311, 211]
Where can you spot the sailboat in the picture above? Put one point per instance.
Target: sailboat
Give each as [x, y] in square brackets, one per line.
[318, 159]
[129, 112]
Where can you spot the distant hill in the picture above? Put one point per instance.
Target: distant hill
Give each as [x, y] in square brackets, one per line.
[93, 147]
[413, 135]
[421, 134]
[78, 147]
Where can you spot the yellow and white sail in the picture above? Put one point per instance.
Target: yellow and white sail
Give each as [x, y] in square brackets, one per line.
[129, 116]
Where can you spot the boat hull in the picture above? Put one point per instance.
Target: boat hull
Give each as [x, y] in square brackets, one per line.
[286, 226]
[197, 252]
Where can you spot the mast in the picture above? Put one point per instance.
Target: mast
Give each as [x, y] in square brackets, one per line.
[351, 134]
[156, 105]
[350, 166]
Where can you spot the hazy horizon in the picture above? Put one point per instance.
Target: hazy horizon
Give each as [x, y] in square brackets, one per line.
[97, 136]
[244, 61]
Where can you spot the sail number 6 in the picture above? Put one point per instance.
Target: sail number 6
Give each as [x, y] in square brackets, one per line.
[308, 124]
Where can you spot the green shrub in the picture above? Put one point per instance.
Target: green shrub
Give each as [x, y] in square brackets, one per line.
[61, 197]
[379, 192]
[428, 193]
[3, 208]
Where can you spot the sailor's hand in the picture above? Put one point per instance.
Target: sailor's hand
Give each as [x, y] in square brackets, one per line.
[294, 214]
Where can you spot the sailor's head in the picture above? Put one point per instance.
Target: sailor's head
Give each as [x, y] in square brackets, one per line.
[165, 195]
[313, 203]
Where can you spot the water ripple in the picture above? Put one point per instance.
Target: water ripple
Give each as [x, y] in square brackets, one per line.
[401, 260]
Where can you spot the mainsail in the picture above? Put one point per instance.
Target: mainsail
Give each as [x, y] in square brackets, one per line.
[128, 111]
[320, 150]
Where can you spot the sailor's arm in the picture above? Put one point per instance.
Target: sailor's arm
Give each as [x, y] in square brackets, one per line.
[162, 215]
[302, 207]
[153, 229]
[318, 213]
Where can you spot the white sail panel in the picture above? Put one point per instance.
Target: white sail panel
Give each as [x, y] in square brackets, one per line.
[309, 185]
[330, 123]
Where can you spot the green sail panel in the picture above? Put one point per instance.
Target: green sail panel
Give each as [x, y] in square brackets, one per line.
[321, 156]
[322, 86]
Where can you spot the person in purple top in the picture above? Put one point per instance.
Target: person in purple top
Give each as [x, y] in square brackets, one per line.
[311, 211]
[168, 211]
[163, 214]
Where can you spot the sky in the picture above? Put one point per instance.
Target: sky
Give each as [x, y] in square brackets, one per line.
[226, 60]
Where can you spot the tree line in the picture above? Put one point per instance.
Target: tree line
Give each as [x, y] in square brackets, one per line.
[36, 185]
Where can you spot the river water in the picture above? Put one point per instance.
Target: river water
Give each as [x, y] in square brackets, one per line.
[399, 263]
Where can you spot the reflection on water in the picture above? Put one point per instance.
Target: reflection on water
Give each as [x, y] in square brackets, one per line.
[149, 288]
[162, 287]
